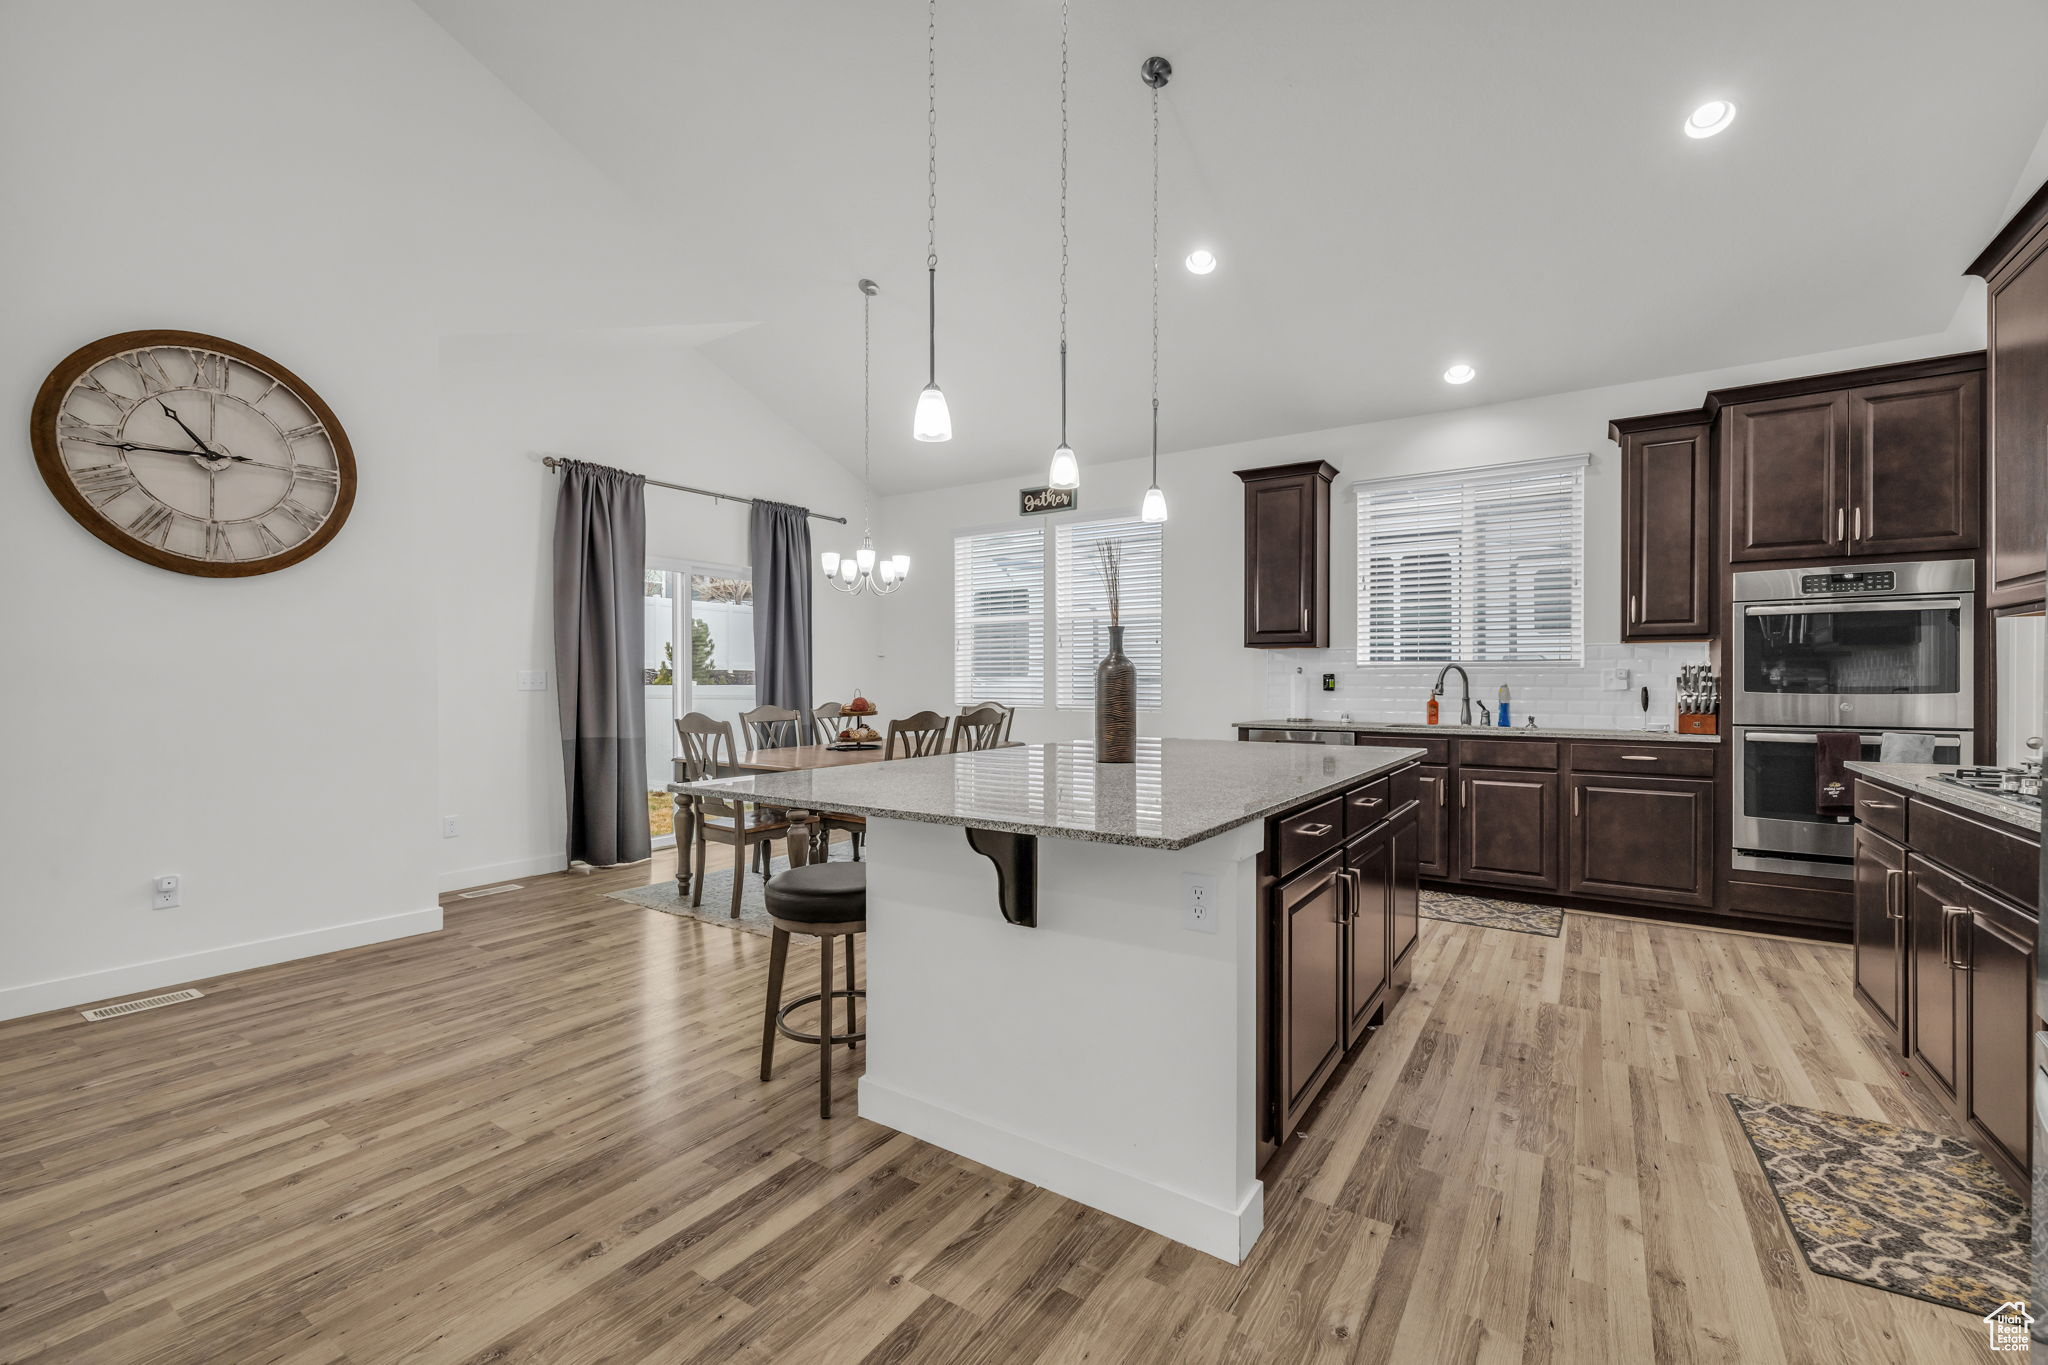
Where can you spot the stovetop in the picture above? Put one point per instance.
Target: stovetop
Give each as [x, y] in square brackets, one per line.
[2021, 784]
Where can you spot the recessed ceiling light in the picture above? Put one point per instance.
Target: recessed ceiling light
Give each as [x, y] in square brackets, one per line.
[1459, 374]
[1710, 118]
[1201, 262]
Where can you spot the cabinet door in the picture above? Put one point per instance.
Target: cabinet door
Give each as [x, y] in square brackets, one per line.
[1644, 838]
[1507, 828]
[1371, 872]
[1666, 569]
[1287, 555]
[1787, 463]
[1933, 901]
[1880, 930]
[1996, 946]
[2016, 562]
[1916, 454]
[1311, 981]
[1433, 822]
[1405, 913]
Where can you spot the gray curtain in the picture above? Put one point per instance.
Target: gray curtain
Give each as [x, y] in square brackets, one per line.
[779, 550]
[600, 578]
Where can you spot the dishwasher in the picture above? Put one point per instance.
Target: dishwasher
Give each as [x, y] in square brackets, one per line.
[1299, 736]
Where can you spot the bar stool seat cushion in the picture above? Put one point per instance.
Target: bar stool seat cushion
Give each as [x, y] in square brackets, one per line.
[820, 893]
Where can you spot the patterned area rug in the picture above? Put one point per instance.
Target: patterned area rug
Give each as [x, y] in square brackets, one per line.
[717, 906]
[1489, 913]
[1915, 1213]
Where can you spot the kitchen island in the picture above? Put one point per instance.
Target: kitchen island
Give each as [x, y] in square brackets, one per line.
[1124, 982]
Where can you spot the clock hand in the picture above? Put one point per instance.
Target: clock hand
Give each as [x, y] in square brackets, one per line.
[131, 445]
[170, 413]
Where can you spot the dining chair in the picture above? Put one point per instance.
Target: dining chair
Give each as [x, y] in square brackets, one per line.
[1009, 715]
[978, 728]
[771, 727]
[831, 719]
[826, 715]
[747, 828]
[922, 734]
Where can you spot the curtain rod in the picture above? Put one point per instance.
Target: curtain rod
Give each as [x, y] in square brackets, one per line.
[553, 462]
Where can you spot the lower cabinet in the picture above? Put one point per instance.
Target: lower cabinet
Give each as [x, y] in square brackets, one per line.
[1432, 821]
[1310, 1004]
[1880, 931]
[1646, 838]
[1995, 958]
[1507, 828]
[1406, 914]
[1931, 910]
[1368, 940]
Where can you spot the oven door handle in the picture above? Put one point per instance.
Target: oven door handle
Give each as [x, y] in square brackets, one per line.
[1808, 737]
[1825, 608]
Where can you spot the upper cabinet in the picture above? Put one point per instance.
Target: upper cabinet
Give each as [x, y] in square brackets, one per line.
[2015, 272]
[1872, 463]
[1666, 501]
[1287, 555]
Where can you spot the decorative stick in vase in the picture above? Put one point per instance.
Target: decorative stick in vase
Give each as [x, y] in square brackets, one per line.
[1116, 677]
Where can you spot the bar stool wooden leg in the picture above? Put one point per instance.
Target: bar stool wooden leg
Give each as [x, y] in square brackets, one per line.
[852, 1006]
[778, 958]
[824, 1026]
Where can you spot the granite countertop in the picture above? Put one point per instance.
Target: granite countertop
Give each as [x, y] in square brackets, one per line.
[1179, 792]
[1494, 731]
[1919, 778]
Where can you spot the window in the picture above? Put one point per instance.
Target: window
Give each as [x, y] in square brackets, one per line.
[1084, 605]
[999, 618]
[713, 609]
[1483, 566]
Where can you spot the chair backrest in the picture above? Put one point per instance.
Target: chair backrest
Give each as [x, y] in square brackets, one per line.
[1009, 715]
[980, 727]
[771, 727]
[708, 752]
[922, 734]
[827, 715]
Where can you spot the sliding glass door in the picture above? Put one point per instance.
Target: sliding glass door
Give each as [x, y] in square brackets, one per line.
[700, 657]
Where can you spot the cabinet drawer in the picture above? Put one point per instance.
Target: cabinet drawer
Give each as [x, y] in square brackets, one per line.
[2006, 863]
[1644, 760]
[1434, 749]
[1366, 806]
[1404, 787]
[1881, 808]
[1308, 834]
[1508, 753]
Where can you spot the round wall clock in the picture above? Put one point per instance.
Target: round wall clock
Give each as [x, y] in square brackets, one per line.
[193, 453]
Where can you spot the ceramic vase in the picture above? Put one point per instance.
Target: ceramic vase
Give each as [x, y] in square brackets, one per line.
[1116, 704]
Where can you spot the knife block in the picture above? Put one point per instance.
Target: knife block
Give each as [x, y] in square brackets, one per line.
[1699, 723]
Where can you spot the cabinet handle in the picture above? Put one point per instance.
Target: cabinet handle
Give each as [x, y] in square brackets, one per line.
[1880, 805]
[1856, 524]
[1892, 878]
[1634, 615]
[1369, 802]
[1840, 517]
[1575, 802]
[1441, 783]
[1640, 758]
[1314, 831]
[1951, 952]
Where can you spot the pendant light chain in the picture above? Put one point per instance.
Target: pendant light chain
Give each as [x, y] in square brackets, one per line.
[1155, 286]
[932, 421]
[867, 391]
[1065, 8]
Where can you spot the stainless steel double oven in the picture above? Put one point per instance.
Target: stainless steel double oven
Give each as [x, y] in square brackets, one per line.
[1869, 648]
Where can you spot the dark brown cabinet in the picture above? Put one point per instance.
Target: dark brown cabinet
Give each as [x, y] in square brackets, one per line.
[1432, 846]
[1995, 954]
[1405, 907]
[1882, 462]
[1310, 1004]
[2014, 268]
[1287, 555]
[1880, 931]
[1369, 869]
[1931, 912]
[1507, 828]
[1645, 838]
[1666, 505]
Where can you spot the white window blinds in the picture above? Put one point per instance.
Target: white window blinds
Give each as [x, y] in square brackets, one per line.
[1480, 566]
[1083, 605]
[999, 618]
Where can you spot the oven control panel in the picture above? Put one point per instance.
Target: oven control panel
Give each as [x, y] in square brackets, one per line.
[1877, 580]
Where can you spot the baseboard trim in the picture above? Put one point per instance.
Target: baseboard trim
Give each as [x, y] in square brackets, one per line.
[1226, 1234]
[87, 988]
[462, 879]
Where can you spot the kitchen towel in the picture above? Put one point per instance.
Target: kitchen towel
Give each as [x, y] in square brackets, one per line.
[1899, 746]
[1831, 749]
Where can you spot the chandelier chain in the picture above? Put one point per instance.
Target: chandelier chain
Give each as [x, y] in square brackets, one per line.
[931, 135]
[867, 390]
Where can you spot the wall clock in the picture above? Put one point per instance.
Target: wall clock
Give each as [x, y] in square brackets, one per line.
[193, 453]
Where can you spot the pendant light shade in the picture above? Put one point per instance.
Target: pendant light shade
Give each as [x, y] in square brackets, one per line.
[1155, 505]
[933, 421]
[1066, 470]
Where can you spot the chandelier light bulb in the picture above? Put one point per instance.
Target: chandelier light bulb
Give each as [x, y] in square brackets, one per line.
[847, 571]
[902, 566]
[864, 557]
[1155, 505]
[1066, 470]
[830, 559]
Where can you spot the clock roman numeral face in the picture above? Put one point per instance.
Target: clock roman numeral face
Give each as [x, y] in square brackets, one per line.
[182, 452]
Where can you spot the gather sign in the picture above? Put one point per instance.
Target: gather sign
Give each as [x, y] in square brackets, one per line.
[1031, 501]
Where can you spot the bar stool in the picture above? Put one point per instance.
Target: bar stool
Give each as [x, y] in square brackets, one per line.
[825, 901]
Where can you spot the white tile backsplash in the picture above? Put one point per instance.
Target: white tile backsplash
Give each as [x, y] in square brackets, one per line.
[1557, 695]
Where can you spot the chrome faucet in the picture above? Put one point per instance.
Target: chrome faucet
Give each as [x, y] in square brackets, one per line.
[1465, 708]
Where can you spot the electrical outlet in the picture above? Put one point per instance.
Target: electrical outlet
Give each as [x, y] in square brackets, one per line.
[533, 680]
[1198, 902]
[1615, 679]
[164, 893]
[451, 827]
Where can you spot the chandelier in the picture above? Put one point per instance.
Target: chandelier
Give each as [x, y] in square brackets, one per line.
[863, 571]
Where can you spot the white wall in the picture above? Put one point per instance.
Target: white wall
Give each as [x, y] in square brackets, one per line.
[337, 184]
[1211, 679]
[641, 403]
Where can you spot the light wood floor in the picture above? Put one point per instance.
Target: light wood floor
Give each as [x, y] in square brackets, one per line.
[538, 1137]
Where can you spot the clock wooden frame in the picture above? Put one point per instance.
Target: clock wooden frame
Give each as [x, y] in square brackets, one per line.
[50, 459]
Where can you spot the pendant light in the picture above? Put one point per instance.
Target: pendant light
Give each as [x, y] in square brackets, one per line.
[1155, 72]
[862, 571]
[932, 421]
[1066, 470]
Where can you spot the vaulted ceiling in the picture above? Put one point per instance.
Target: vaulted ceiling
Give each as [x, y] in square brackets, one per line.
[1390, 187]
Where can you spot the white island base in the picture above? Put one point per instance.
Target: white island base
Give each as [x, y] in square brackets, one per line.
[1108, 1054]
